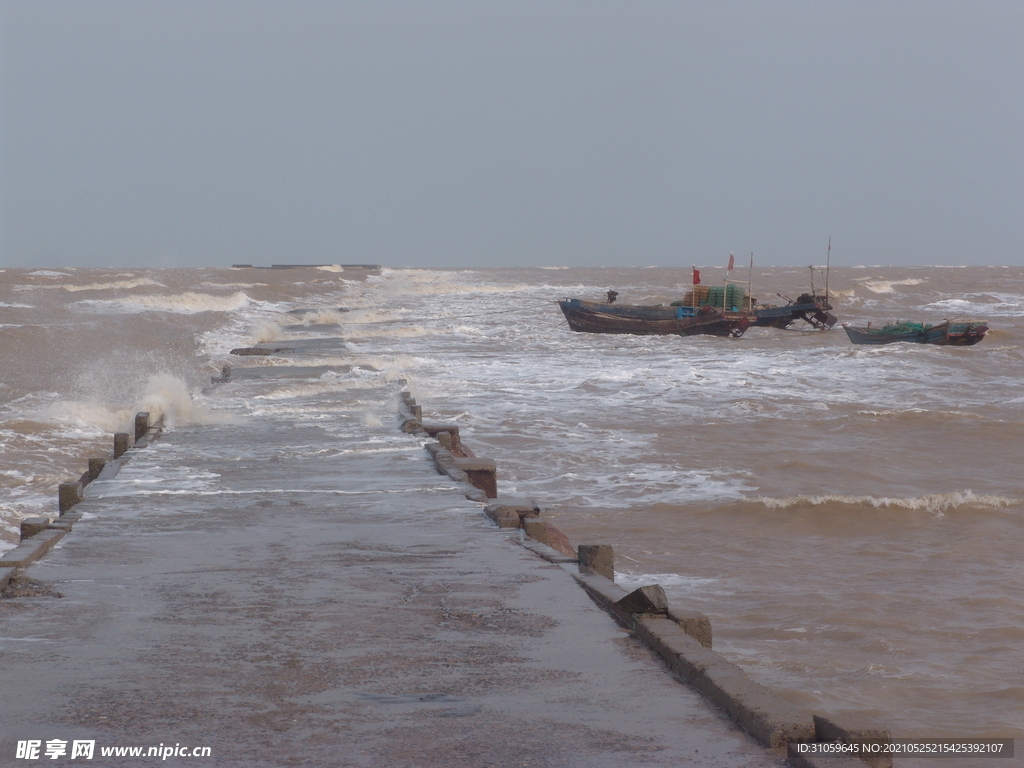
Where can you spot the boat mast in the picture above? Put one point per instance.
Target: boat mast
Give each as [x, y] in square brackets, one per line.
[750, 272]
[828, 258]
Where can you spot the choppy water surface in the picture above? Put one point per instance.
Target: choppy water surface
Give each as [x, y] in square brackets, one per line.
[851, 518]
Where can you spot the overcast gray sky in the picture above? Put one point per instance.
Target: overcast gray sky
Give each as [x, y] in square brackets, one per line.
[499, 133]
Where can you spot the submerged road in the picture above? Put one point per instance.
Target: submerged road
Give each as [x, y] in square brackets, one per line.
[315, 594]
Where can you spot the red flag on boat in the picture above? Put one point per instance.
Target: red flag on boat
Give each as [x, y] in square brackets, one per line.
[732, 262]
[696, 276]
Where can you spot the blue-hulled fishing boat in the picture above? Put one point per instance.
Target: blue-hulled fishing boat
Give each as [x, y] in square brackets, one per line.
[946, 333]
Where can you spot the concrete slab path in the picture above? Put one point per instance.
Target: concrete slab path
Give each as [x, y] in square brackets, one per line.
[314, 594]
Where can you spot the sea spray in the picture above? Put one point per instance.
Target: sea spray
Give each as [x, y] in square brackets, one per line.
[168, 397]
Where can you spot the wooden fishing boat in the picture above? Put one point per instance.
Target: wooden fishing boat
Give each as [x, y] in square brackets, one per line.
[812, 309]
[656, 320]
[697, 313]
[726, 310]
[959, 334]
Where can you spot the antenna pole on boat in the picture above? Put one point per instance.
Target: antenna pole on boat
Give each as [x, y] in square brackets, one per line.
[828, 259]
[750, 272]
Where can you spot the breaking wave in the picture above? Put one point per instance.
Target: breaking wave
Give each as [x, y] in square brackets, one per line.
[933, 502]
[889, 286]
[163, 395]
[183, 303]
[117, 285]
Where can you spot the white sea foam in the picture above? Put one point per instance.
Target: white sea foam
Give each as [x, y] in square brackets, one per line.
[323, 317]
[934, 502]
[980, 305]
[48, 273]
[184, 303]
[116, 285]
[230, 286]
[889, 286]
[674, 581]
[370, 316]
[331, 382]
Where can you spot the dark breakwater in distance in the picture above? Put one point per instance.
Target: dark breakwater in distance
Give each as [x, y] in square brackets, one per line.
[850, 518]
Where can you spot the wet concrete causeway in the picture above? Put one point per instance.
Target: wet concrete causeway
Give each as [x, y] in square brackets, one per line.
[316, 594]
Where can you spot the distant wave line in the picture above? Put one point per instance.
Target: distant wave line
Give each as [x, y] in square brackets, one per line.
[931, 502]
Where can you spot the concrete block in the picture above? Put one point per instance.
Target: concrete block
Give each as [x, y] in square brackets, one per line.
[155, 427]
[68, 494]
[535, 529]
[411, 426]
[122, 442]
[503, 517]
[444, 462]
[509, 512]
[466, 464]
[599, 558]
[31, 550]
[434, 429]
[417, 412]
[95, 467]
[30, 526]
[448, 436]
[647, 599]
[548, 553]
[693, 622]
[546, 533]
[481, 473]
[141, 424]
[5, 576]
[435, 450]
[850, 729]
[525, 513]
